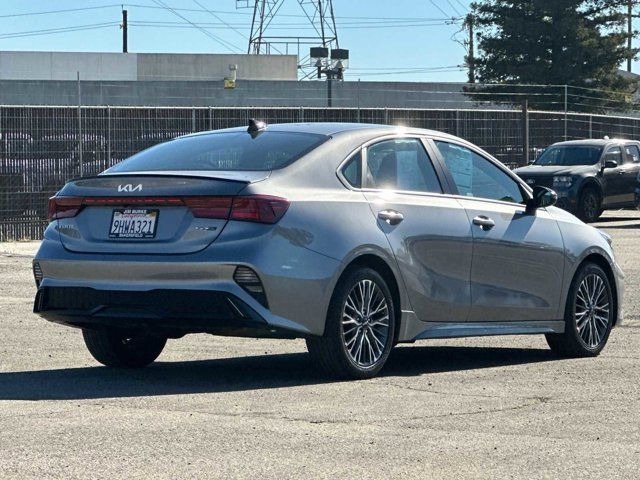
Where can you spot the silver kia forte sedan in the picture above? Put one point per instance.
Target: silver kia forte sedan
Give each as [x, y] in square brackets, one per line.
[353, 237]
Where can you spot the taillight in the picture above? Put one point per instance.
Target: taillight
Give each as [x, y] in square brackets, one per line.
[209, 207]
[64, 207]
[258, 208]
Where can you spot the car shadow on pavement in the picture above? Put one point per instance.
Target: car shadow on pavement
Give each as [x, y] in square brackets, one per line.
[614, 219]
[242, 373]
[621, 227]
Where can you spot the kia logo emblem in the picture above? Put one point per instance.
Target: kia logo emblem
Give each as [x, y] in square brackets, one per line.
[130, 188]
[531, 181]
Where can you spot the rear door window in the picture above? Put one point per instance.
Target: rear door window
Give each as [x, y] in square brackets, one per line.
[224, 151]
[401, 164]
[633, 153]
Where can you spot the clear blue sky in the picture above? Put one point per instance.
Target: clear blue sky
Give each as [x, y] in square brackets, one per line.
[400, 35]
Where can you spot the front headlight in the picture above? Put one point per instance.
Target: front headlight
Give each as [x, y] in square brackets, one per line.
[562, 181]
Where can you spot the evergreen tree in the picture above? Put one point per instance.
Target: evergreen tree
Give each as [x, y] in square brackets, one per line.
[580, 43]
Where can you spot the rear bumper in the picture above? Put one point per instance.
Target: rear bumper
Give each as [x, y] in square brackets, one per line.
[298, 283]
[171, 312]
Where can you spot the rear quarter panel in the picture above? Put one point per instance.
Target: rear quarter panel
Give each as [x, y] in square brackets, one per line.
[325, 216]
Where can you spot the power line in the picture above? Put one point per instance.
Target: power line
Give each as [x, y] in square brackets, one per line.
[341, 17]
[453, 7]
[49, 31]
[464, 7]
[213, 26]
[217, 17]
[68, 10]
[301, 25]
[225, 12]
[409, 71]
[215, 38]
[439, 8]
[386, 69]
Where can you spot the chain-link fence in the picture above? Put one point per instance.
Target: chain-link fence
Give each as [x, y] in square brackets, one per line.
[43, 147]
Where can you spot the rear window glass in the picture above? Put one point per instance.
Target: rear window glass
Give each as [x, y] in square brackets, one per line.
[223, 151]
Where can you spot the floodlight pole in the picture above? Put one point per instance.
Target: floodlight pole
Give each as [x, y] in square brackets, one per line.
[330, 65]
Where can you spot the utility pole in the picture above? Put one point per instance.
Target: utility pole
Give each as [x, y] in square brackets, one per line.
[125, 47]
[629, 33]
[471, 53]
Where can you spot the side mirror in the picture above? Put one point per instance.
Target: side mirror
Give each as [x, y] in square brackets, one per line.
[542, 197]
[610, 164]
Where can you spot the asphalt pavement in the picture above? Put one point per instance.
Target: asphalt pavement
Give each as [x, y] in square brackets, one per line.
[215, 407]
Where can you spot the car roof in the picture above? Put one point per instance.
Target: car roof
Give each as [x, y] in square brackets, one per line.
[333, 128]
[597, 142]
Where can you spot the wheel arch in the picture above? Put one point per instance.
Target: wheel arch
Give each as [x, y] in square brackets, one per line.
[382, 267]
[590, 182]
[603, 263]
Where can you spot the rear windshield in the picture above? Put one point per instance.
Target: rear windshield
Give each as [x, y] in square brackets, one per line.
[223, 151]
[570, 155]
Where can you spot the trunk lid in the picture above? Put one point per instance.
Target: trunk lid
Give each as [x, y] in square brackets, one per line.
[147, 213]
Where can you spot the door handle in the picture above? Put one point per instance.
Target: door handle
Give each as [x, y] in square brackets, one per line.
[622, 172]
[392, 217]
[485, 223]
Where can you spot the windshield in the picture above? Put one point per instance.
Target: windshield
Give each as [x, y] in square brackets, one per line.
[223, 151]
[567, 155]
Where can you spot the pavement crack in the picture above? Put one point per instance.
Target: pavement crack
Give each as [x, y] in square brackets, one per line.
[440, 392]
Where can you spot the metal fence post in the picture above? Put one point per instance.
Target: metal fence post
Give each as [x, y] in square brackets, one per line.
[386, 116]
[566, 109]
[108, 136]
[80, 140]
[457, 123]
[358, 100]
[193, 119]
[210, 120]
[590, 126]
[525, 132]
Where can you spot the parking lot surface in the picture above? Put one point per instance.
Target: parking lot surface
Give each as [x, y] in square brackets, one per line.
[214, 407]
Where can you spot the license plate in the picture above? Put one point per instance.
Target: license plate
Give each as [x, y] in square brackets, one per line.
[133, 223]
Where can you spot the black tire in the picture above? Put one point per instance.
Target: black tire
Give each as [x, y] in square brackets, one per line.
[330, 352]
[589, 205]
[121, 350]
[572, 343]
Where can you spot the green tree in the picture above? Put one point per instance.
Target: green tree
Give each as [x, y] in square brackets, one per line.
[580, 43]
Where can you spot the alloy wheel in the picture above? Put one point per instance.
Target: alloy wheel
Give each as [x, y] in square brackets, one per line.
[590, 206]
[365, 323]
[592, 312]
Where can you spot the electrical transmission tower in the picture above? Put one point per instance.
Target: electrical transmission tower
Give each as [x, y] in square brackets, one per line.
[319, 15]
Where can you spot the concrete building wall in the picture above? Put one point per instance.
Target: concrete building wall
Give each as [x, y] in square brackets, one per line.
[162, 67]
[248, 93]
[143, 66]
